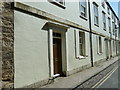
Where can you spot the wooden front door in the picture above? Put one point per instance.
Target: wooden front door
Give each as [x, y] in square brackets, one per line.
[57, 56]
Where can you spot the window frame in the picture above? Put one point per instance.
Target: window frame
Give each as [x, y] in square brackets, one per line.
[109, 24]
[96, 14]
[103, 4]
[112, 15]
[99, 45]
[113, 45]
[104, 20]
[108, 10]
[77, 46]
[82, 48]
[113, 28]
[85, 8]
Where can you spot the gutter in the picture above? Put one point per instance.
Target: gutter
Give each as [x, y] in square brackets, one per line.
[91, 50]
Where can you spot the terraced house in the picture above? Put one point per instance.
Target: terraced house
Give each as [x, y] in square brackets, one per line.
[43, 39]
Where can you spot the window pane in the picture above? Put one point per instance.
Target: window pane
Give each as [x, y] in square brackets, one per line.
[83, 2]
[82, 43]
[83, 11]
[96, 20]
[104, 20]
[95, 14]
[83, 7]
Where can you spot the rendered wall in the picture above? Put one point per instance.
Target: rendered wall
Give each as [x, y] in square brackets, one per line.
[31, 50]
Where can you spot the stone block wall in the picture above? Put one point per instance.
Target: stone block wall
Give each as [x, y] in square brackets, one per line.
[7, 41]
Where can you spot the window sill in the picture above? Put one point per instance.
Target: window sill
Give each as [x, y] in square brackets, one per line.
[57, 3]
[100, 53]
[83, 17]
[82, 57]
[96, 25]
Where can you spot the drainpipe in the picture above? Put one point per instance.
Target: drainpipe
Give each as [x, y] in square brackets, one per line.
[91, 50]
[116, 41]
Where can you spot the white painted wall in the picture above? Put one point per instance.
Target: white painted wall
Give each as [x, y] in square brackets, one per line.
[31, 50]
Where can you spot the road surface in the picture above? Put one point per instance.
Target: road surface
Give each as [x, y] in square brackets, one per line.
[111, 80]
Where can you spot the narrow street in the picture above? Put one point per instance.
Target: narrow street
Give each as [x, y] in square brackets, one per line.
[108, 78]
[111, 80]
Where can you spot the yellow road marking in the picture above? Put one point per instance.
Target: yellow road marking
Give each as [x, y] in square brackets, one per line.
[103, 78]
[106, 78]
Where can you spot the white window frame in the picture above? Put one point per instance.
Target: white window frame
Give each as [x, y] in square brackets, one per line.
[103, 4]
[112, 15]
[113, 45]
[99, 45]
[108, 10]
[96, 14]
[82, 44]
[109, 24]
[104, 20]
[77, 47]
[113, 28]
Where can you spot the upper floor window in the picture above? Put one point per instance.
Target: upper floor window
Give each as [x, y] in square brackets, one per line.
[104, 20]
[115, 19]
[112, 16]
[113, 28]
[83, 8]
[117, 22]
[108, 10]
[59, 3]
[103, 4]
[109, 24]
[96, 16]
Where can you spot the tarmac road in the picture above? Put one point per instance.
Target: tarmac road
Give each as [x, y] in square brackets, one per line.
[111, 80]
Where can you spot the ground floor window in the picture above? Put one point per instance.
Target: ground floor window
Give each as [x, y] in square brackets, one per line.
[99, 44]
[80, 44]
[113, 45]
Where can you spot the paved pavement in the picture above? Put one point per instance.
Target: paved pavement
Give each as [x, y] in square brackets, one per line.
[76, 79]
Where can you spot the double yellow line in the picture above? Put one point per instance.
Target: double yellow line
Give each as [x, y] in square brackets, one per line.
[98, 84]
